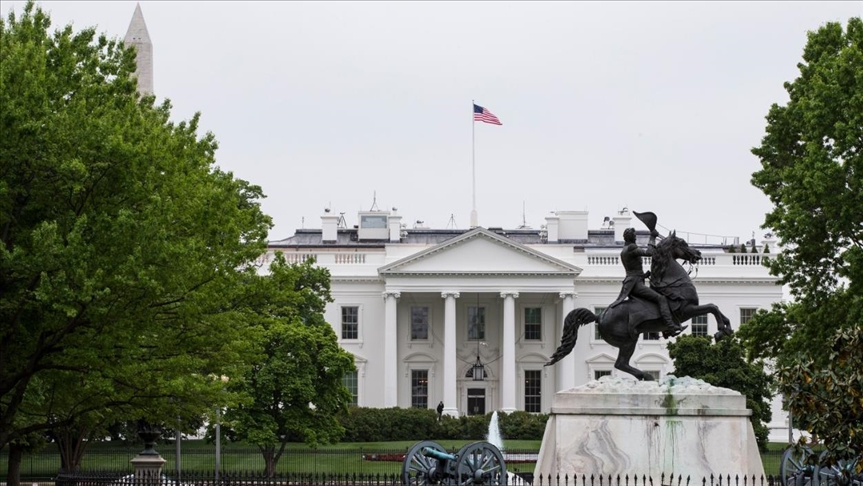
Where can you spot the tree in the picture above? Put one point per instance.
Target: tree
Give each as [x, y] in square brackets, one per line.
[121, 241]
[812, 171]
[296, 390]
[724, 364]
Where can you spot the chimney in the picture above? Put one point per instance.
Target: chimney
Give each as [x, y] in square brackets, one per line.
[395, 223]
[552, 224]
[329, 227]
[622, 220]
[573, 225]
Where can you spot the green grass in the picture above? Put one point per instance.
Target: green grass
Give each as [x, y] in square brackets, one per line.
[197, 455]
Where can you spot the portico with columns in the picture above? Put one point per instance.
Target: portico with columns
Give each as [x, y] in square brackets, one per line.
[483, 283]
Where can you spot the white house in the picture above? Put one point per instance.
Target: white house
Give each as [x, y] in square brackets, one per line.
[420, 308]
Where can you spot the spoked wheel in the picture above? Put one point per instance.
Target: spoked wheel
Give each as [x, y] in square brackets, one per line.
[419, 469]
[794, 471]
[481, 463]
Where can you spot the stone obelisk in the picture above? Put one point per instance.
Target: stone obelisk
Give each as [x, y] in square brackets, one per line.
[138, 37]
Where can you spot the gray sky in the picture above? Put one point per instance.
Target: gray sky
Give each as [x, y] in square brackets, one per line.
[602, 104]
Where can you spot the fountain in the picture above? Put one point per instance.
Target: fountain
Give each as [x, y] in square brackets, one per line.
[494, 432]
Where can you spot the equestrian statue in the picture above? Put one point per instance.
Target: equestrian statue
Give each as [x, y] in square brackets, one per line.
[670, 300]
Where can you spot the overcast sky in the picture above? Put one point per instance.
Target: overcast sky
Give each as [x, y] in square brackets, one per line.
[604, 105]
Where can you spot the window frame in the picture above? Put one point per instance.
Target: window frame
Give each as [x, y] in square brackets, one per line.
[752, 311]
[359, 325]
[414, 396]
[525, 324]
[700, 321]
[355, 392]
[468, 322]
[537, 387]
[428, 323]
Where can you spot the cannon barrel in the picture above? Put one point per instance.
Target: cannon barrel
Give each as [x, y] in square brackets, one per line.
[439, 455]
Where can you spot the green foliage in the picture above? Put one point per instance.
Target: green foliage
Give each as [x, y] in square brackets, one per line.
[121, 241]
[405, 424]
[732, 249]
[812, 171]
[743, 248]
[828, 402]
[724, 365]
[766, 248]
[295, 389]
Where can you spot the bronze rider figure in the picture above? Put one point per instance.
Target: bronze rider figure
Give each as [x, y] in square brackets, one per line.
[633, 284]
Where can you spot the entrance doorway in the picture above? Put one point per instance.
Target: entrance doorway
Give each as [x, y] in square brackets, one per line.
[476, 401]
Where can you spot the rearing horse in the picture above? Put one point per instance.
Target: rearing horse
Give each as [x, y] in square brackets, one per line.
[620, 326]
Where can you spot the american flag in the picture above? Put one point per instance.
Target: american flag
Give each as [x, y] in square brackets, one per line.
[483, 115]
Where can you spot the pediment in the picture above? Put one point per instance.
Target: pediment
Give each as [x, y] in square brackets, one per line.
[482, 252]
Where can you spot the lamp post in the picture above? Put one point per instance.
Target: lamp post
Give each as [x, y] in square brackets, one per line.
[224, 380]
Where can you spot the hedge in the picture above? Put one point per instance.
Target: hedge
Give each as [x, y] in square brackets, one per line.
[404, 424]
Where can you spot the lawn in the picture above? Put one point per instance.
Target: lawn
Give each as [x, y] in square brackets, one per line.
[199, 456]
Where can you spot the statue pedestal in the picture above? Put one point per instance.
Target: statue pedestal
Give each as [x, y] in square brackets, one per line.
[619, 426]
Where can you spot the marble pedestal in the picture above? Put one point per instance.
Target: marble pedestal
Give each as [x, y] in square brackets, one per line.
[618, 425]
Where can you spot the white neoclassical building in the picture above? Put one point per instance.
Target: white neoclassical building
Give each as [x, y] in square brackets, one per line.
[469, 317]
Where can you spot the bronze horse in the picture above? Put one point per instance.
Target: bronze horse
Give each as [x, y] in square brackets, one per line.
[620, 326]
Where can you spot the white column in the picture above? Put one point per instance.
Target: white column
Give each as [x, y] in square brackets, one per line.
[566, 367]
[508, 380]
[450, 366]
[391, 369]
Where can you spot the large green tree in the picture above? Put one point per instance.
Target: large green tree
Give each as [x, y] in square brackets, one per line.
[724, 364]
[120, 241]
[812, 171]
[296, 390]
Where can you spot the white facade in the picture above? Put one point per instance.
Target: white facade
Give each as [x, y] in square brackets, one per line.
[439, 276]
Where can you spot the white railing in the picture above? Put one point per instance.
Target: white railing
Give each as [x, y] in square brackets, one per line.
[293, 258]
[714, 259]
[350, 258]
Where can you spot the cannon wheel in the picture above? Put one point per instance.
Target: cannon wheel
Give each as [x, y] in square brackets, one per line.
[794, 471]
[481, 463]
[419, 469]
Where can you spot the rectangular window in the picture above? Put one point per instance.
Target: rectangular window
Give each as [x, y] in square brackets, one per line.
[533, 391]
[699, 325]
[475, 323]
[420, 388]
[419, 323]
[350, 381]
[350, 322]
[653, 373]
[651, 336]
[746, 314]
[597, 374]
[598, 311]
[533, 323]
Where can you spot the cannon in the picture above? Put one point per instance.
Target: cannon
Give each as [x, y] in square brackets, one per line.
[801, 468]
[478, 463]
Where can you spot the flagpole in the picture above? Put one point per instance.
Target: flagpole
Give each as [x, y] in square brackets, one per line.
[473, 219]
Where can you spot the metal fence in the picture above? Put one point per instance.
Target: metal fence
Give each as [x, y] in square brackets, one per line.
[251, 479]
[46, 464]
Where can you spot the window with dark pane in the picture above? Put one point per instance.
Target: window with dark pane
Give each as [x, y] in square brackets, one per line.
[533, 391]
[746, 314]
[475, 323]
[533, 323]
[699, 325]
[420, 388]
[597, 374]
[350, 381]
[419, 323]
[350, 322]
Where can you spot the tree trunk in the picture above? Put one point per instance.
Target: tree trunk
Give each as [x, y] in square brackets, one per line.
[13, 474]
[72, 442]
[269, 464]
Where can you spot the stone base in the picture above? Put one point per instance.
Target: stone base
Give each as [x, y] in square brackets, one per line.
[618, 426]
